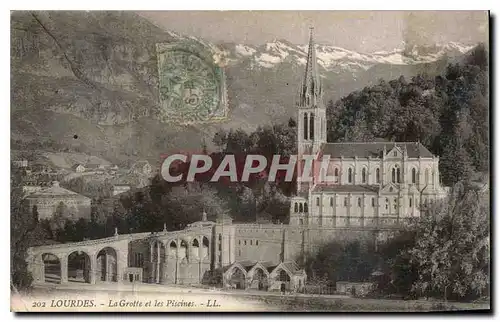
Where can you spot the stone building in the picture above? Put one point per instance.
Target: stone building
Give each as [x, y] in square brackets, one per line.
[48, 199]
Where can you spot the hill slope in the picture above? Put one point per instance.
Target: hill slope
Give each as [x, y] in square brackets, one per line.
[94, 75]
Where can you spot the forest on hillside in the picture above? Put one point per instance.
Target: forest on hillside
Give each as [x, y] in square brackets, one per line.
[447, 113]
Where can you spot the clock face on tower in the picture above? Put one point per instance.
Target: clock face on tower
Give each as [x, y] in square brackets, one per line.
[191, 85]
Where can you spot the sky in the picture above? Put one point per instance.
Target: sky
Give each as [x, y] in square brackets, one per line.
[362, 31]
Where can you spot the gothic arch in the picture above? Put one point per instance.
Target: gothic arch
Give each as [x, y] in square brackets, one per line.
[172, 248]
[205, 244]
[350, 175]
[413, 175]
[306, 126]
[311, 126]
[364, 175]
[236, 276]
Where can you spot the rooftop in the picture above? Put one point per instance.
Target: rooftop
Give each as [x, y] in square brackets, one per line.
[55, 191]
[346, 188]
[373, 149]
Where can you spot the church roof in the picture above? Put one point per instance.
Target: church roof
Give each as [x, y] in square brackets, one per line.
[373, 149]
[347, 188]
[55, 191]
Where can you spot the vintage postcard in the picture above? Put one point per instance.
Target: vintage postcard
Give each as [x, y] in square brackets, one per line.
[222, 161]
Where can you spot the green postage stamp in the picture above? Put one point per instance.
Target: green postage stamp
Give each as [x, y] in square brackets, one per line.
[191, 84]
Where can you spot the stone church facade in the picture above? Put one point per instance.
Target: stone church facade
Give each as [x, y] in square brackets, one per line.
[370, 184]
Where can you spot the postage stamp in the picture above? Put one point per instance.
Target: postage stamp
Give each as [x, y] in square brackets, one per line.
[191, 84]
[348, 172]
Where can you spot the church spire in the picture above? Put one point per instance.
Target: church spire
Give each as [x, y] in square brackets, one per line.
[310, 92]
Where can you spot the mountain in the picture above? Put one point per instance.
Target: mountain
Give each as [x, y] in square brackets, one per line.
[88, 82]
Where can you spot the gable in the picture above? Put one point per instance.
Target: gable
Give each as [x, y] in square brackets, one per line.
[395, 152]
[390, 188]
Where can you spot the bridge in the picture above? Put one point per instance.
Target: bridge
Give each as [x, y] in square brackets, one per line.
[126, 257]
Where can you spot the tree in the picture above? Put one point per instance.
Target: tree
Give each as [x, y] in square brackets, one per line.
[451, 251]
[342, 261]
[187, 203]
[220, 139]
[26, 231]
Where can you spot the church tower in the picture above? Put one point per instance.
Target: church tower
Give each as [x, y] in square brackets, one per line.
[311, 113]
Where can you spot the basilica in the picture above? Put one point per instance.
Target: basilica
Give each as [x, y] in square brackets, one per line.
[374, 184]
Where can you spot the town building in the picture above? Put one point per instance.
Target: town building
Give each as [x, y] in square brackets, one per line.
[141, 168]
[48, 199]
[78, 168]
[20, 163]
[120, 188]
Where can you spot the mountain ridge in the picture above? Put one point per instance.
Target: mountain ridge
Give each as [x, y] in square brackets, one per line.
[94, 75]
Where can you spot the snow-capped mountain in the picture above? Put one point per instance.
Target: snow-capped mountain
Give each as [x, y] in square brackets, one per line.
[331, 58]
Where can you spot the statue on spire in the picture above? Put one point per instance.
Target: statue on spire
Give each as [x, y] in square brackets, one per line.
[204, 215]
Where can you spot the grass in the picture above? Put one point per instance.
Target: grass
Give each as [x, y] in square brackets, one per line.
[319, 304]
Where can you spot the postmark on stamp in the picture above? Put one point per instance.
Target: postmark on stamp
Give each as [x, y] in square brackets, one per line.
[191, 84]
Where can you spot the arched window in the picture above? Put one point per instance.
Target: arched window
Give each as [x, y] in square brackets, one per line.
[393, 175]
[386, 203]
[257, 243]
[306, 126]
[410, 202]
[377, 175]
[349, 175]
[245, 242]
[301, 209]
[336, 173]
[413, 175]
[331, 202]
[311, 127]
[296, 208]
[373, 202]
[363, 175]
[322, 128]
[359, 202]
[305, 207]
[317, 201]
[399, 175]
